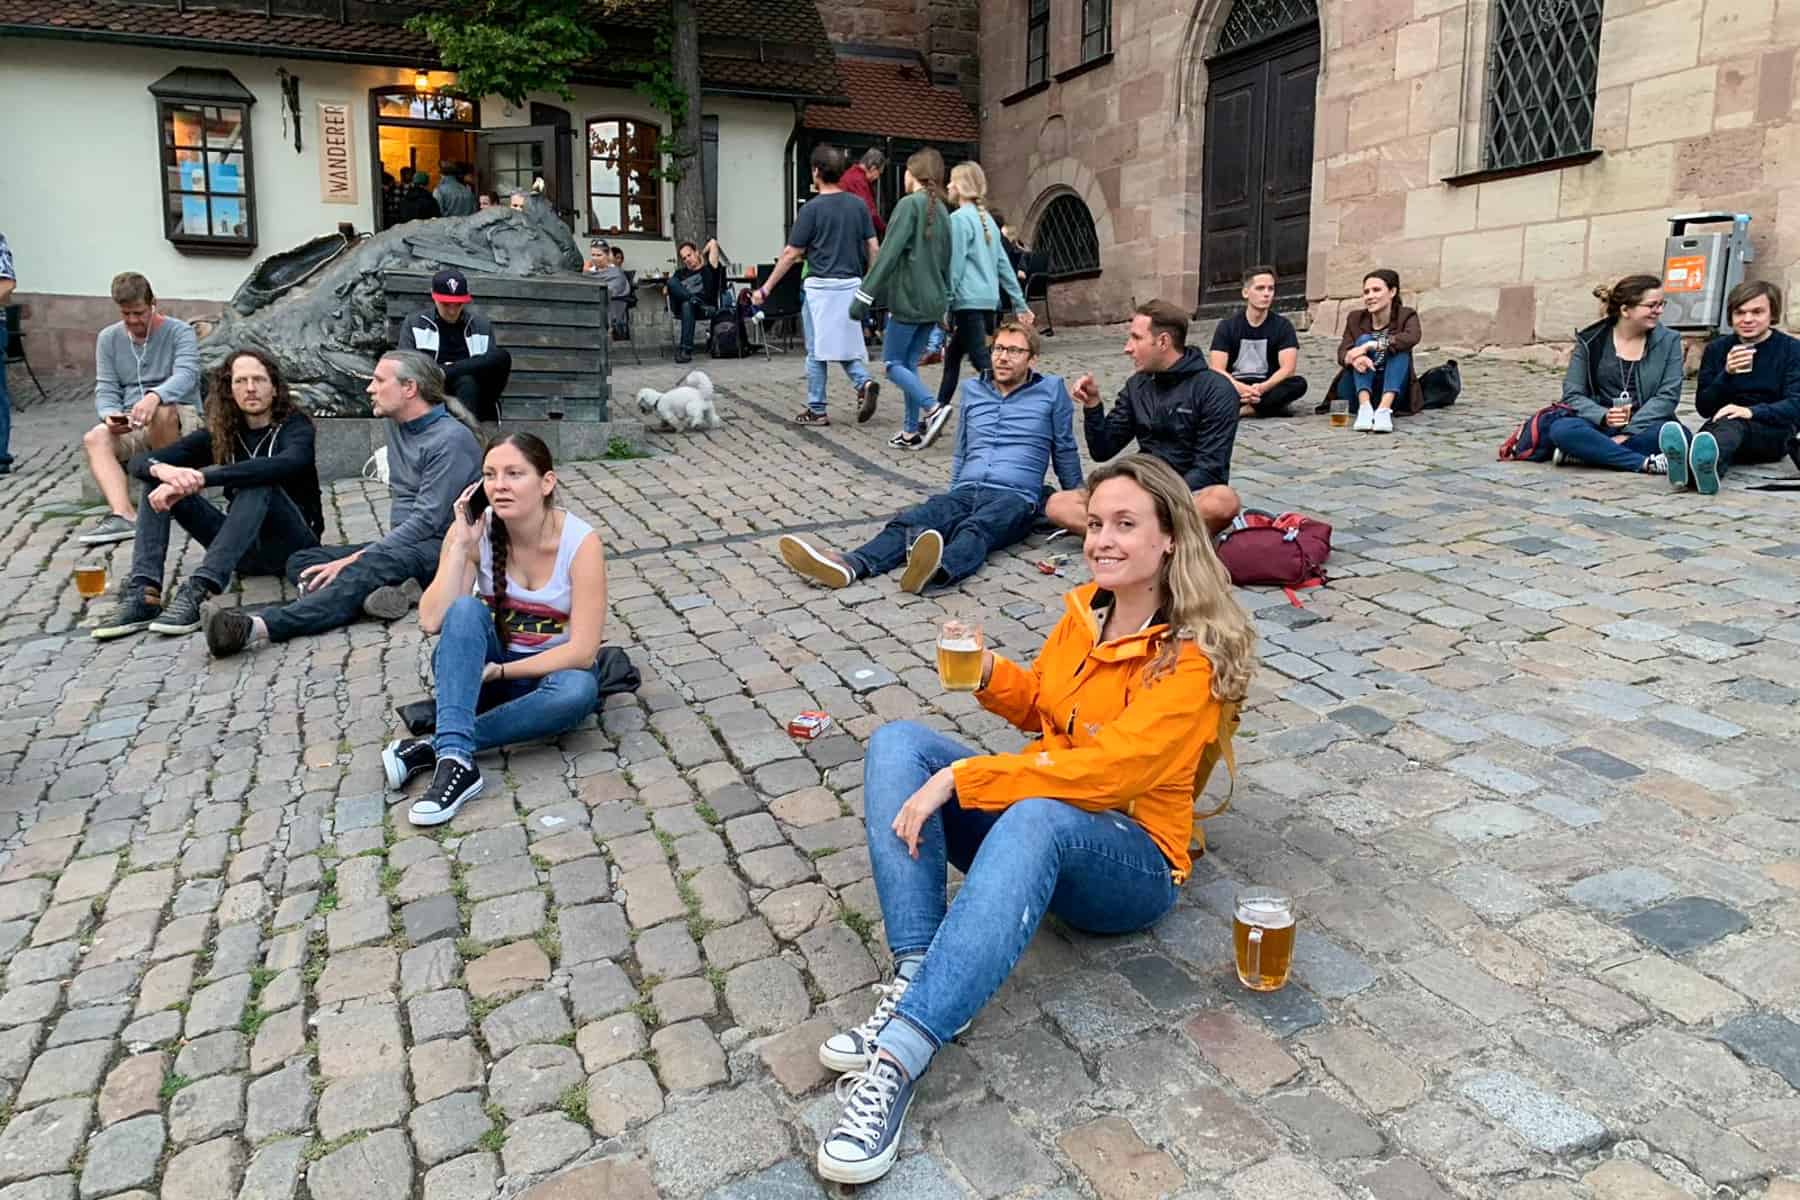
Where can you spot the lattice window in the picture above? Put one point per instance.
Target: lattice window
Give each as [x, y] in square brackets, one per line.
[1254, 20]
[1037, 42]
[1543, 57]
[1066, 233]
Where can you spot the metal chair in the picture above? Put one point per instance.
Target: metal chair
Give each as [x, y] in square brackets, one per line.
[783, 304]
[1037, 286]
[15, 345]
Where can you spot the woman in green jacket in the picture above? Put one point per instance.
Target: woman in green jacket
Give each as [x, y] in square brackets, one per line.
[911, 277]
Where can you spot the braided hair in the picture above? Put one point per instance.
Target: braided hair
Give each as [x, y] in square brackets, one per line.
[927, 169]
[499, 537]
[224, 421]
[970, 182]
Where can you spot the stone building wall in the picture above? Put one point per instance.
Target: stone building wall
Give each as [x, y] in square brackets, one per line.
[946, 32]
[1696, 109]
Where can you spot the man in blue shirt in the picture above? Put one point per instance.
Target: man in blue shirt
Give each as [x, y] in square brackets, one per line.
[1013, 426]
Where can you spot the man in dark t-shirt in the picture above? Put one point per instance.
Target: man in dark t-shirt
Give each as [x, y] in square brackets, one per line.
[693, 290]
[1258, 350]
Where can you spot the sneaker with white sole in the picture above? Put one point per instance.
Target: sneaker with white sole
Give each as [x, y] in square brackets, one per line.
[138, 606]
[1384, 420]
[906, 441]
[1656, 464]
[1703, 458]
[862, 1146]
[935, 421]
[1672, 441]
[404, 758]
[1365, 419]
[866, 398]
[392, 601]
[1558, 458]
[815, 564]
[922, 562]
[851, 1049]
[454, 783]
[108, 529]
[183, 614]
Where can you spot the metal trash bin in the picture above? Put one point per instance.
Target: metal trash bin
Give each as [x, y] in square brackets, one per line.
[1700, 269]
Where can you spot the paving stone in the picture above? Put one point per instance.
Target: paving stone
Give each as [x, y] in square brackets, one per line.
[510, 969]
[776, 867]
[447, 1127]
[592, 932]
[622, 1097]
[1471, 989]
[688, 1161]
[533, 1078]
[1284, 1012]
[1245, 1055]
[88, 1024]
[1369, 1069]
[219, 1006]
[358, 925]
[1496, 894]
[359, 1041]
[1329, 1129]
[43, 1140]
[1678, 926]
[616, 1179]
[1542, 1120]
[599, 990]
[214, 1054]
[1032, 1069]
[431, 918]
[687, 1056]
[767, 995]
[610, 1040]
[1212, 1130]
[470, 1177]
[1116, 1162]
[1716, 1155]
[534, 1017]
[132, 1088]
[354, 974]
[501, 878]
[1283, 1178]
[273, 1171]
[211, 1171]
[206, 1109]
[1765, 1040]
[543, 1143]
[363, 1102]
[165, 985]
[66, 1071]
[790, 1180]
[123, 1156]
[1622, 1179]
[1683, 993]
[837, 959]
[1402, 1179]
[378, 1167]
[995, 1155]
[508, 918]
[1623, 890]
[1601, 763]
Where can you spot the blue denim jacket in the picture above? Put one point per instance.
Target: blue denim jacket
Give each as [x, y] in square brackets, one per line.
[1010, 441]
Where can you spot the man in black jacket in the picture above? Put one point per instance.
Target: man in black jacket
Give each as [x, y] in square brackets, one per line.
[259, 448]
[1176, 407]
[460, 340]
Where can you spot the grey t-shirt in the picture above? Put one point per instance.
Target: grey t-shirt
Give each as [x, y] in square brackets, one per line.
[834, 230]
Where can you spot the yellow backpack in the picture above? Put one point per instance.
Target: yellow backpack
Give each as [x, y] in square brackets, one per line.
[1218, 748]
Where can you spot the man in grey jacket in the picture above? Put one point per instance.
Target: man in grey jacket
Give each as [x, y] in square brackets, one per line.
[147, 393]
[454, 197]
[432, 457]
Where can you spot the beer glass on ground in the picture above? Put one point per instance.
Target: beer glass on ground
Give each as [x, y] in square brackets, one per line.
[1340, 410]
[90, 579]
[1262, 936]
[959, 651]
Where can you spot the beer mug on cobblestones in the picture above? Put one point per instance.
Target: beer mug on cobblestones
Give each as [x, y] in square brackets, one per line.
[90, 578]
[1262, 935]
[959, 650]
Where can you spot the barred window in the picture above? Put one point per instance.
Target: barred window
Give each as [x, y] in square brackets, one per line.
[1066, 234]
[1258, 20]
[1037, 42]
[1096, 29]
[1543, 59]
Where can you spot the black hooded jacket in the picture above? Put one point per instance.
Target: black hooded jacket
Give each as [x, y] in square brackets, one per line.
[1187, 416]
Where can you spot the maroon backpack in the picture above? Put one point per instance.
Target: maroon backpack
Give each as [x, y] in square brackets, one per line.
[1530, 442]
[1288, 551]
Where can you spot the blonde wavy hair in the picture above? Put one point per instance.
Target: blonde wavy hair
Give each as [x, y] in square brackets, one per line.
[968, 184]
[1195, 586]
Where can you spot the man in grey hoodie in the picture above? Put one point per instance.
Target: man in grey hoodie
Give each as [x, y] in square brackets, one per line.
[432, 457]
[147, 392]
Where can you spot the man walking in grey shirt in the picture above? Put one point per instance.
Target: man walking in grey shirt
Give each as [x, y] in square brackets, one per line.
[432, 457]
[147, 392]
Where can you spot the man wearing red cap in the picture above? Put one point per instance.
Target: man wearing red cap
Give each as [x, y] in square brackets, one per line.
[462, 342]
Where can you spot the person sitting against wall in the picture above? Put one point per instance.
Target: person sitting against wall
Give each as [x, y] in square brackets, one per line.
[1623, 381]
[460, 340]
[519, 607]
[258, 446]
[1258, 351]
[1093, 820]
[1376, 349]
[1748, 394]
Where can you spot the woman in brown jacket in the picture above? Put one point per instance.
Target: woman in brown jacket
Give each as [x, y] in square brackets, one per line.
[1377, 345]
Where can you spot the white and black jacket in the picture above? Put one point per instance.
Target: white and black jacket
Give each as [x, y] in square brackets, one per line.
[421, 333]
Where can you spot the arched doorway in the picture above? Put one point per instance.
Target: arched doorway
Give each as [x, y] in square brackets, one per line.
[1257, 179]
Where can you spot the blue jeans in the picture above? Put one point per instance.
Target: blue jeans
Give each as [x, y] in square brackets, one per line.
[902, 345]
[256, 535]
[5, 405]
[815, 369]
[472, 716]
[934, 341]
[1100, 872]
[1394, 371]
[1583, 442]
[974, 521]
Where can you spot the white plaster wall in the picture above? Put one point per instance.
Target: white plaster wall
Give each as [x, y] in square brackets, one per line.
[81, 200]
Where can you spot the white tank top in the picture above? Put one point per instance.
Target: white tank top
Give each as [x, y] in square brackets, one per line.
[537, 619]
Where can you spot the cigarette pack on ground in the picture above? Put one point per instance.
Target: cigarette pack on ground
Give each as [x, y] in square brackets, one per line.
[809, 725]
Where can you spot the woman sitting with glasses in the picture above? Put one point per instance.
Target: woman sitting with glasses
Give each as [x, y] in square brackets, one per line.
[1624, 382]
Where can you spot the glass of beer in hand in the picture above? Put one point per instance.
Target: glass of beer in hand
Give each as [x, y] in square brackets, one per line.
[959, 650]
[90, 579]
[1262, 935]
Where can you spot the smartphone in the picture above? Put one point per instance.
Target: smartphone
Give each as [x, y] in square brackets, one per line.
[118, 420]
[478, 502]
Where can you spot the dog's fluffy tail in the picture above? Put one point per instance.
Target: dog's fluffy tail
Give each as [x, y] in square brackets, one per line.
[699, 381]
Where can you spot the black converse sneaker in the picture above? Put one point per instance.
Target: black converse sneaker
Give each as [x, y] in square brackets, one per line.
[228, 631]
[850, 1050]
[138, 606]
[453, 783]
[182, 614]
[405, 758]
[863, 1145]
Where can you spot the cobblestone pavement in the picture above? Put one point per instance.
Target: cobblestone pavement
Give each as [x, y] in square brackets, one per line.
[1527, 765]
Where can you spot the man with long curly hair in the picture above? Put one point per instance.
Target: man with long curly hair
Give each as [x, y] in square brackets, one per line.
[258, 447]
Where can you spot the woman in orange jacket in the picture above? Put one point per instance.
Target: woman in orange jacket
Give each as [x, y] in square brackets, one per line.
[1091, 822]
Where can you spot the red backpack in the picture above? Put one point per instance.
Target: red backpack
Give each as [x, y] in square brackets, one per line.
[1530, 442]
[1288, 551]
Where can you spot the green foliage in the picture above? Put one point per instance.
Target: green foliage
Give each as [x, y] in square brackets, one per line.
[657, 84]
[172, 1084]
[573, 1103]
[619, 450]
[509, 48]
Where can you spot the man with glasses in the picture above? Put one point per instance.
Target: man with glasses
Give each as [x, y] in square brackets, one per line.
[1014, 425]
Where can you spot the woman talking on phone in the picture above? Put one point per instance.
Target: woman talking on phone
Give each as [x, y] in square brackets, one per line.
[1092, 821]
[519, 605]
[1624, 382]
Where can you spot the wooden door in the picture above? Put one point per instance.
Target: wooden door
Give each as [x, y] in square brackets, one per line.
[1256, 182]
[511, 158]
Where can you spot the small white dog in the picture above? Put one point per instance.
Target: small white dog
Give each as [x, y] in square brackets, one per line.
[687, 407]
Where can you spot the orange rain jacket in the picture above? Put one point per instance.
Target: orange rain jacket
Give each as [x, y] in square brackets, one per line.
[1108, 740]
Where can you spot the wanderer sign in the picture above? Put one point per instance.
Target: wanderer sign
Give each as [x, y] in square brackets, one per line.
[337, 158]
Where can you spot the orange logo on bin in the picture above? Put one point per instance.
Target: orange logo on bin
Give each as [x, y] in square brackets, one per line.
[1685, 274]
